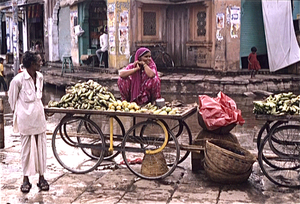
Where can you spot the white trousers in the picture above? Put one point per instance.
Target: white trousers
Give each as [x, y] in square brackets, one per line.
[33, 154]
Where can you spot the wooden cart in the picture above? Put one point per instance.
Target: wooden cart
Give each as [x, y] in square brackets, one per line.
[278, 144]
[84, 138]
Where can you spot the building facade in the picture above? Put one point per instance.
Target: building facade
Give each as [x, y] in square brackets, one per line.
[214, 34]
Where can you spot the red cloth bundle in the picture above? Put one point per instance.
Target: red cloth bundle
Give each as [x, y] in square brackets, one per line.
[219, 112]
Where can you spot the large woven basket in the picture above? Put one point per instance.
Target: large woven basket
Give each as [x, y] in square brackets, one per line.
[154, 165]
[229, 157]
[225, 178]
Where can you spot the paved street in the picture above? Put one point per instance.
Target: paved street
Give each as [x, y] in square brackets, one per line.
[113, 183]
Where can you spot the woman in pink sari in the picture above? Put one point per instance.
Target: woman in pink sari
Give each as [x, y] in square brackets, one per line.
[139, 81]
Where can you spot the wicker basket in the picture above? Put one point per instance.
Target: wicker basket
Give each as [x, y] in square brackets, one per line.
[220, 130]
[229, 157]
[154, 165]
[226, 178]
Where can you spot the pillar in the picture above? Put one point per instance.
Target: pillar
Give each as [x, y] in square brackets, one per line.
[118, 14]
[228, 27]
[1, 124]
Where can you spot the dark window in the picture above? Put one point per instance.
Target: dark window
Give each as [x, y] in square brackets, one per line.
[201, 23]
[149, 23]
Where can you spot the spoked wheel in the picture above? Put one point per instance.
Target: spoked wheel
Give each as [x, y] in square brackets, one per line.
[147, 149]
[284, 141]
[68, 149]
[183, 134]
[265, 132]
[284, 171]
[103, 123]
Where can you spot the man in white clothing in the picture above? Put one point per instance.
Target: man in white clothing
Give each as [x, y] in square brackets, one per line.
[103, 51]
[25, 94]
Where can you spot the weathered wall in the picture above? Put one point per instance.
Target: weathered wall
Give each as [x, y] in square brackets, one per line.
[227, 49]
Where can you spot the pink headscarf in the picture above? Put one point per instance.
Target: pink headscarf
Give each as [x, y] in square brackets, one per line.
[136, 81]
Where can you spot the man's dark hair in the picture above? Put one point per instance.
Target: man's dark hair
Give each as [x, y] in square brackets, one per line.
[1, 59]
[29, 57]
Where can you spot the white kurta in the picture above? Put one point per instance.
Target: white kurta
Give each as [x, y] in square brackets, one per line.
[29, 120]
[25, 101]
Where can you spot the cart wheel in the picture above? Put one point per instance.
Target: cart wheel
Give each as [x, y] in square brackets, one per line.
[103, 122]
[68, 151]
[265, 130]
[263, 133]
[150, 143]
[183, 134]
[285, 141]
[284, 171]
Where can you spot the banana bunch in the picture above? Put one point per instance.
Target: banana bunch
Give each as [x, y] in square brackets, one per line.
[123, 106]
[279, 104]
[86, 95]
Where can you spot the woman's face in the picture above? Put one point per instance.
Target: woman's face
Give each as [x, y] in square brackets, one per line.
[146, 58]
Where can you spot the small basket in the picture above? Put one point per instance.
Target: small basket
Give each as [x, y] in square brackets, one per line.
[226, 178]
[220, 130]
[154, 165]
[229, 157]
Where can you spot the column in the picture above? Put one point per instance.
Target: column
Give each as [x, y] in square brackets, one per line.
[118, 15]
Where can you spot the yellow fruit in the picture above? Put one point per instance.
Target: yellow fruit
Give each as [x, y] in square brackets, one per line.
[157, 111]
[115, 103]
[132, 110]
[163, 113]
[119, 103]
[110, 105]
[168, 109]
[112, 108]
[119, 107]
[137, 107]
[126, 109]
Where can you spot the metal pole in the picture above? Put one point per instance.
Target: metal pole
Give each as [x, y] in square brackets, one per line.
[1, 124]
[15, 36]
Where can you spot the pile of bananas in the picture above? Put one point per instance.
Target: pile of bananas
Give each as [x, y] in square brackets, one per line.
[279, 104]
[86, 95]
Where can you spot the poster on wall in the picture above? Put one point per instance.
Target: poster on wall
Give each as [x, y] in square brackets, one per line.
[123, 33]
[123, 41]
[111, 28]
[235, 21]
[124, 19]
[112, 42]
[220, 20]
[74, 18]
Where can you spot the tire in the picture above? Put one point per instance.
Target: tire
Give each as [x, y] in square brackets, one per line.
[167, 60]
[68, 151]
[264, 133]
[118, 132]
[145, 136]
[285, 141]
[286, 171]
